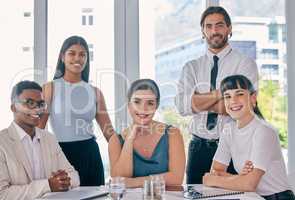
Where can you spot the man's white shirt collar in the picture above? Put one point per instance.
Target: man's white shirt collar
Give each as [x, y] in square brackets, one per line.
[22, 134]
[221, 54]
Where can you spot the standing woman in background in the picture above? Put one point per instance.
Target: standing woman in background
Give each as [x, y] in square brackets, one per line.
[73, 104]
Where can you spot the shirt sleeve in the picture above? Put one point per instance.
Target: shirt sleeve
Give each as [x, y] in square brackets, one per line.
[223, 153]
[250, 70]
[265, 142]
[10, 191]
[185, 89]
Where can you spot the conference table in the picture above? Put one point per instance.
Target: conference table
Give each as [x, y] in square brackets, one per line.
[136, 194]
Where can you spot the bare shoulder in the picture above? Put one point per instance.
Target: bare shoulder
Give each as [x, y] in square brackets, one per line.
[48, 85]
[159, 127]
[174, 130]
[99, 94]
[97, 90]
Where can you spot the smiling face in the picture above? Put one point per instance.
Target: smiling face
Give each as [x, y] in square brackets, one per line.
[25, 116]
[142, 106]
[216, 31]
[75, 58]
[239, 104]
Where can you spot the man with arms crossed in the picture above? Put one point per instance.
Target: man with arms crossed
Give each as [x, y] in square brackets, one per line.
[198, 94]
[31, 161]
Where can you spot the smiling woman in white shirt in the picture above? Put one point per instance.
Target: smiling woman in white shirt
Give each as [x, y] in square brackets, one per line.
[248, 138]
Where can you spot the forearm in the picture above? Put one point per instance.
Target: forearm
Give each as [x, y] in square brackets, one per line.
[108, 131]
[219, 107]
[204, 102]
[234, 182]
[124, 165]
[172, 178]
[105, 124]
[221, 173]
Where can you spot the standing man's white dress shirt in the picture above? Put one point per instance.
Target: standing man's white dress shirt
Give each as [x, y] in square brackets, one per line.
[195, 77]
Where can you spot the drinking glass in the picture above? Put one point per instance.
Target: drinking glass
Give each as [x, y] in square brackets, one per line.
[158, 185]
[116, 188]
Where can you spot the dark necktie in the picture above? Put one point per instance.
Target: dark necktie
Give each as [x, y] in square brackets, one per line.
[212, 117]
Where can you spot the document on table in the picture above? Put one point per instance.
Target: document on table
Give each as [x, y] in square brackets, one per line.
[78, 193]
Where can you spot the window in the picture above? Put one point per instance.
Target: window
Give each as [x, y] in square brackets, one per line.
[270, 69]
[90, 20]
[264, 23]
[61, 26]
[284, 34]
[270, 53]
[87, 16]
[26, 49]
[90, 46]
[27, 14]
[170, 36]
[273, 32]
[17, 38]
[83, 20]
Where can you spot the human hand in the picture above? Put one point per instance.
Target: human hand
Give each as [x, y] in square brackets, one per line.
[216, 173]
[59, 181]
[218, 94]
[136, 129]
[208, 179]
[248, 167]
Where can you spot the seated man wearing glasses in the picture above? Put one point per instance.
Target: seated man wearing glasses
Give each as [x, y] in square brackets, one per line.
[31, 161]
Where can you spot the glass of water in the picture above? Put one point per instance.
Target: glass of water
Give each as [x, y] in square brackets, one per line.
[158, 184]
[117, 188]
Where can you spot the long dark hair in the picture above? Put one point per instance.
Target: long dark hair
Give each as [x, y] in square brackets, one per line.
[60, 66]
[236, 82]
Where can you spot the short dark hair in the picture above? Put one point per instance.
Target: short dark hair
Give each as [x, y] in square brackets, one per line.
[215, 10]
[60, 66]
[144, 84]
[23, 85]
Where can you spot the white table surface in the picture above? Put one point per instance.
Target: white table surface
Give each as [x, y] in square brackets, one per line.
[136, 194]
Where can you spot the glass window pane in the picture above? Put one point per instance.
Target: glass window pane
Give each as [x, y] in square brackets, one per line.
[90, 20]
[63, 23]
[264, 23]
[17, 32]
[170, 35]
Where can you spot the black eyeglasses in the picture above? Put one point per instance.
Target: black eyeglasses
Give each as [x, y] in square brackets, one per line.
[32, 104]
